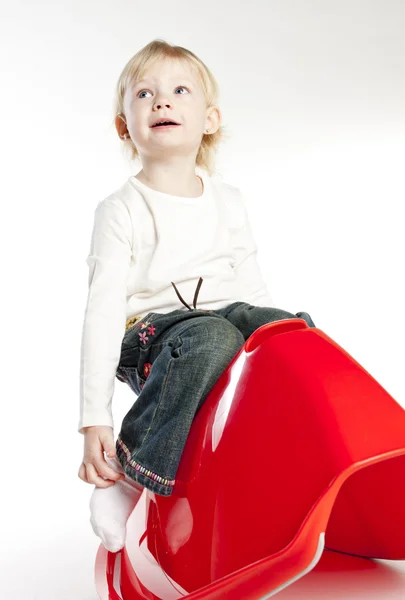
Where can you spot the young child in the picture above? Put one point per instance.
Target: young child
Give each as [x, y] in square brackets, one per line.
[174, 224]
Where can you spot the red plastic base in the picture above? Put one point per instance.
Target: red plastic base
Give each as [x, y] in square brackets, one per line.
[296, 449]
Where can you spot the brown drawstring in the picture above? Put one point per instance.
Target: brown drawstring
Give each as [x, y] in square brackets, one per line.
[132, 320]
[195, 294]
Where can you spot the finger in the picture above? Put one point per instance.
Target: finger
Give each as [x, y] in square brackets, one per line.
[107, 441]
[93, 477]
[82, 473]
[105, 470]
[110, 450]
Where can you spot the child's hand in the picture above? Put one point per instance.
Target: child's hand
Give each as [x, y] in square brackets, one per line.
[97, 440]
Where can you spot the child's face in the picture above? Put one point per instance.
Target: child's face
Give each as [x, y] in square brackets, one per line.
[169, 89]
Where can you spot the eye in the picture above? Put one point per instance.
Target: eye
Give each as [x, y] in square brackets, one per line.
[177, 88]
[182, 87]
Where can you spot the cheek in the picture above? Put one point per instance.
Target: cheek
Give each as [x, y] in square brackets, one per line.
[194, 115]
[137, 124]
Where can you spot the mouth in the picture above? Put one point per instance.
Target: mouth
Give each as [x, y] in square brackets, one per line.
[158, 129]
[165, 125]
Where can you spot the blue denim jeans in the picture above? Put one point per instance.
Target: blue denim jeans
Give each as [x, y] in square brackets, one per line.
[171, 362]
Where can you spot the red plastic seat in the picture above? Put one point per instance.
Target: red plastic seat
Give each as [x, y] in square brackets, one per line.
[296, 449]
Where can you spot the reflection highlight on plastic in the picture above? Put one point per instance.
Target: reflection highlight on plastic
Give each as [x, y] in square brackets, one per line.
[179, 525]
[148, 570]
[225, 403]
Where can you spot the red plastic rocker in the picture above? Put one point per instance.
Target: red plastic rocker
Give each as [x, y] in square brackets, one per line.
[296, 449]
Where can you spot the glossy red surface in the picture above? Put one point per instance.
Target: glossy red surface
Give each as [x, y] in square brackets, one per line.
[296, 449]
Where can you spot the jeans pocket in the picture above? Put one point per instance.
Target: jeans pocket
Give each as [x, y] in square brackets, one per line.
[133, 379]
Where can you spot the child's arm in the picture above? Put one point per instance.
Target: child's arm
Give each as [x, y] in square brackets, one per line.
[103, 331]
[105, 314]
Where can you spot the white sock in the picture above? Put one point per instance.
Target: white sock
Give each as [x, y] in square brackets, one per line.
[111, 507]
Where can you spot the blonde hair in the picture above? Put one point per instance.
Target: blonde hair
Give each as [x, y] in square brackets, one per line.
[135, 68]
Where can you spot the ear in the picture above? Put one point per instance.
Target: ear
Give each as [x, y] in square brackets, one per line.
[120, 125]
[213, 119]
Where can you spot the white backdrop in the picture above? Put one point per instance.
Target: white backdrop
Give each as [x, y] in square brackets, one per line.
[313, 93]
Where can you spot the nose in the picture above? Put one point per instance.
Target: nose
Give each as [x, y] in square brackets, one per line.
[159, 105]
[161, 100]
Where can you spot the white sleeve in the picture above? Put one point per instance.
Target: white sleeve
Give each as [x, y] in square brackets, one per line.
[105, 313]
[252, 288]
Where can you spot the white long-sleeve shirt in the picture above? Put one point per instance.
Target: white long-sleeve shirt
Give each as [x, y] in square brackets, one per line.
[142, 240]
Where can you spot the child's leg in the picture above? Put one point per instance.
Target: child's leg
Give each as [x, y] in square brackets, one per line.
[111, 507]
[247, 317]
[176, 358]
[307, 318]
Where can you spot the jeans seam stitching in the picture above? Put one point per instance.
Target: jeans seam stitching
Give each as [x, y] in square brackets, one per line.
[157, 406]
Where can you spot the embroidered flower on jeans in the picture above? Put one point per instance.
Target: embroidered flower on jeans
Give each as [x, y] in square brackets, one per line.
[142, 337]
[151, 331]
[146, 369]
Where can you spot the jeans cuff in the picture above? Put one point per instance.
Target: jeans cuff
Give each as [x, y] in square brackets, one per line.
[147, 478]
